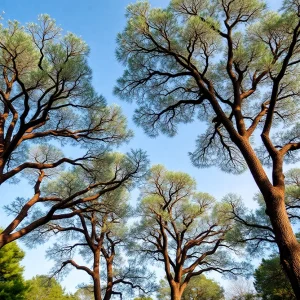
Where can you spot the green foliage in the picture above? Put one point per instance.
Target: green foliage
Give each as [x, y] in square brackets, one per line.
[12, 284]
[167, 41]
[42, 287]
[199, 288]
[202, 288]
[246, 297]
[271, 282]
[84, 293]
[242, 84]
[45, 57]
[185, 203]
[181, 52]
[50, 102]
[143, 298]
[164, 291]
[182, 229]
[99, 227]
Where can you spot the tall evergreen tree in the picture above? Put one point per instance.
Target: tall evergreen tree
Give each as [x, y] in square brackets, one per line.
[12, 284]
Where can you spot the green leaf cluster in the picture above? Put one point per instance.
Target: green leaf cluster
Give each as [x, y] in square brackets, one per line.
[12, 283]
[271, 282]
[44, 288]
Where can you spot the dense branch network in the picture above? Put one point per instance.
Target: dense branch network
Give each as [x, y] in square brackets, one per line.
[182, 230]
[184, 41]
[46, 102]
[234, 65]
[72, 192]
[99, 236]
[46, 95]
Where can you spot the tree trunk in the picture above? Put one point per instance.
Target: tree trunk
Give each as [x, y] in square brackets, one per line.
[109, 268]
[97, 287]
[274, 196]
[289, 248]
[175, 292]
[96, 277]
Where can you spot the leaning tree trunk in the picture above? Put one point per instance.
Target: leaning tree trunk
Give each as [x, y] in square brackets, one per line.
[274, 196]
[289, 248]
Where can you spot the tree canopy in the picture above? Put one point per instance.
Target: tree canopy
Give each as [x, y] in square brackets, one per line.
[46, 94]
[199, 288]
[182, 229]
[202, 288]
[42, 287]
[99, 235]
[47, 101]
[12, 283]
[233, 65]
[271, 282]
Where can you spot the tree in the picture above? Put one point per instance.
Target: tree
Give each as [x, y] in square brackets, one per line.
[99, 236]
[69, 192]
[271, 282]
[182, 229]
[85, 293]
[47, 101]
[12, 284]
[254, 227]
[164, 291]
[235, 66]
[199, 288]
[202, 288]
[242, 289]
[44, 288]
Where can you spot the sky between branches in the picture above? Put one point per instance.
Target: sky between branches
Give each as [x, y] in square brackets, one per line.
[98, 22]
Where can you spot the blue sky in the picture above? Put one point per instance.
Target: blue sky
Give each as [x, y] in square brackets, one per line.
[98, 22]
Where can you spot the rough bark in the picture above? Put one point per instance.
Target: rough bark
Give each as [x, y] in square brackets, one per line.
[176, 292]
[109, 288]
[289, 248]
[96, 275]
[274, 196]
[97, 288]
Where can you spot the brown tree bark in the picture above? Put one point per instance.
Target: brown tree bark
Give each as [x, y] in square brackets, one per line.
[97, 287]
[289, 248]
[274, 196]
[96, 275]
[109, 288]
[176, 292]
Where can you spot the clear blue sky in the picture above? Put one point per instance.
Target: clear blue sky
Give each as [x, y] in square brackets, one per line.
[98, 22]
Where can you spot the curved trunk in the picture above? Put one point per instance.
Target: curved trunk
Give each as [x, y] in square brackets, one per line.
[274, 196]
[289, 248]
